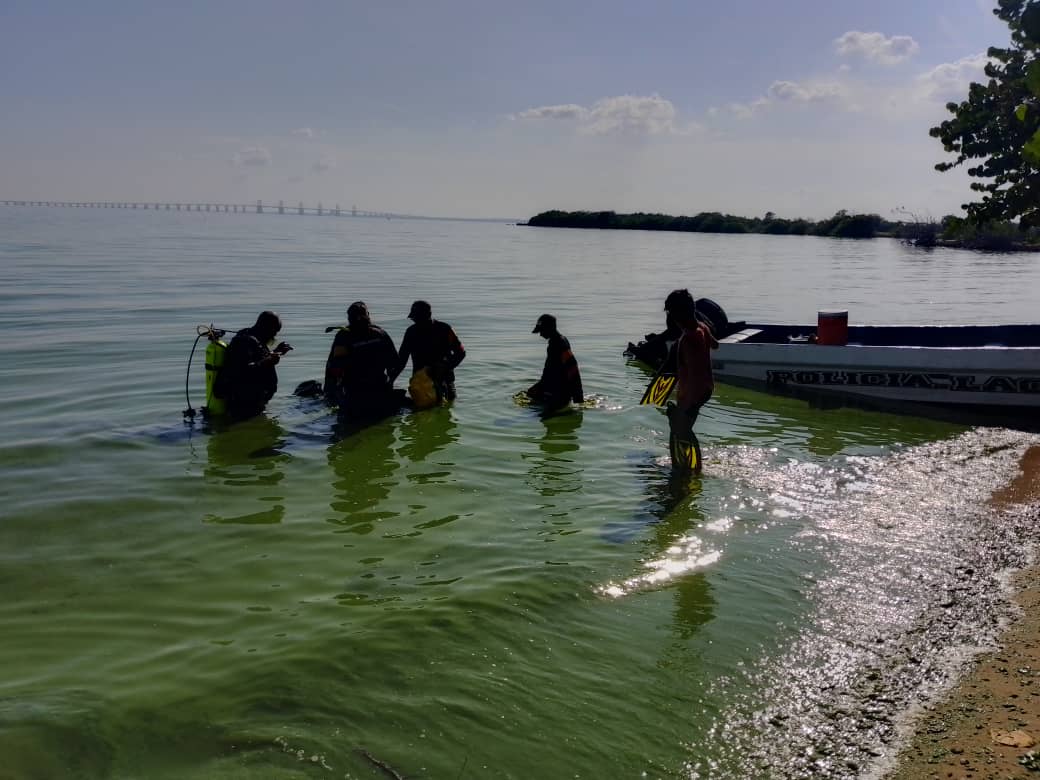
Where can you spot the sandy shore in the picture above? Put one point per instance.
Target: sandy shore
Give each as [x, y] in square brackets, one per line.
[999, 701]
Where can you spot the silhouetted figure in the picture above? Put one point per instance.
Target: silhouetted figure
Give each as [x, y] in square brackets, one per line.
[361, 364]
[693, 366]
[248, 379]
[561, 381]
[432, 345]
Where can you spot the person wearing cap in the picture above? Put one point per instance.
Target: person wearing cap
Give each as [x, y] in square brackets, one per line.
[693, 372]
[561, 380]
[359, 371]
[432, 345]
[248, 379]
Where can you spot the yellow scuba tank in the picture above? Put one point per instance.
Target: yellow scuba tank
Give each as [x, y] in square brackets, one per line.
[422, 389]
[216, 350]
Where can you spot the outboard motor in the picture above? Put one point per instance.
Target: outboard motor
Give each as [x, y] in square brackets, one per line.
[712, 315]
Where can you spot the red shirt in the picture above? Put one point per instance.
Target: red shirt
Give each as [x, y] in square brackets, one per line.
[696, 382]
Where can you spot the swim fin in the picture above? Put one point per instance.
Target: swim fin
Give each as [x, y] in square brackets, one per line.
[683, 445]
[663, 383]
[658, 390]
[686, 455]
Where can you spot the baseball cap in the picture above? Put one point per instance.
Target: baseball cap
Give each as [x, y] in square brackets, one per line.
[420, 307]
[544, 320]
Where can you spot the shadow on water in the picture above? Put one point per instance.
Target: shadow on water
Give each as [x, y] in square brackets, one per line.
[248, 456]
[674, 510]
[363, 461]
[827, 425]
[553, 470]
[673, 555]
[421, 434]
[758, 417]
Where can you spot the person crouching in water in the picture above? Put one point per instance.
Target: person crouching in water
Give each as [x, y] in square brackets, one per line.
[360, 366]
[432, 345]
[561, 380]
[248, 379]
[693, 372]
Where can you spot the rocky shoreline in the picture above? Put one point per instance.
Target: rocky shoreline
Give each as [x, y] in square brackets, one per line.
[988, 725]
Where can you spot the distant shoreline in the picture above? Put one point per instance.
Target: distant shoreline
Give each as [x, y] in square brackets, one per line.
[841, 225]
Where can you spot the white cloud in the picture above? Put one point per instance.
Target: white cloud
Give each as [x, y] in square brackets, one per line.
[303, 132]
[792, 92]
[252, 157]
[635, 114]
[745, 110]
[950, 80]
[619, 115]
[877, 47]
[324, 164]
[914, 98]
[567, 111]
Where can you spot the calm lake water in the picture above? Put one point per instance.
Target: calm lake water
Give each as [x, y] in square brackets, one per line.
[471, 591]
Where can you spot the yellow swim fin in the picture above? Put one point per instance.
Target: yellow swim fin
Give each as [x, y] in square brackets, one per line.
[686, 455]
[658, 390]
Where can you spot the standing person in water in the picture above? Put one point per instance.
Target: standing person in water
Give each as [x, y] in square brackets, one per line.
[695, 380]
[432, 345]
[361, 364]
[248, 379]
[561, 380]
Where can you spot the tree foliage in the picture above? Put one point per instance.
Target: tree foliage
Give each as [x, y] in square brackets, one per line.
[841, 225]
[999, 124]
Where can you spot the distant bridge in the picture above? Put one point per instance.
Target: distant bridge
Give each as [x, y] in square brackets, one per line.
[259, 207]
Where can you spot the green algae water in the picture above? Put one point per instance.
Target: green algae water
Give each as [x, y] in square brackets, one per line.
[472, 591]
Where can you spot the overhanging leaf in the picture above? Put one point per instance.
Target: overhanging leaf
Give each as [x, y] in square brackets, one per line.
[1033, 77]
[1032, 149]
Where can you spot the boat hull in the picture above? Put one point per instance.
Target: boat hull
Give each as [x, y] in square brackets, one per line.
[970, 377]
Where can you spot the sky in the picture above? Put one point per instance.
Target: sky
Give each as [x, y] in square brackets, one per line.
[491, 109]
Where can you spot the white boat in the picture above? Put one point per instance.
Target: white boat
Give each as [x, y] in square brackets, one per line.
[983, 369]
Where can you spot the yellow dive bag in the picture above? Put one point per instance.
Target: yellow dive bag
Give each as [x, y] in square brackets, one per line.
[422, 390]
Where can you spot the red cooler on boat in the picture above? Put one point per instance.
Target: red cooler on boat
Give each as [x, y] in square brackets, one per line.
[832, 328]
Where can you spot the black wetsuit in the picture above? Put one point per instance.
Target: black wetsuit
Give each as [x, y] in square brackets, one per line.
[434, 346]
[357, 378]
[561, 380]
[246, 381]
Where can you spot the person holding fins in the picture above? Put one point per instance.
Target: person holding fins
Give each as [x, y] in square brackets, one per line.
[360, 367]
[694, 378]
[561, 381]
[434, 348]
[248, 379]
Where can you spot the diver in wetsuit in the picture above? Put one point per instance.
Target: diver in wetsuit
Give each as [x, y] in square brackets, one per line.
[432, 345]
[561, 381]
[361, 364]
[248, 379]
